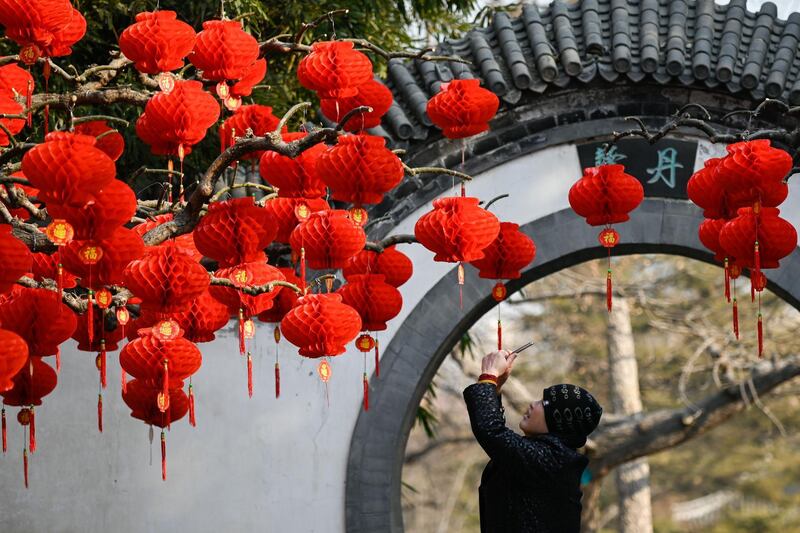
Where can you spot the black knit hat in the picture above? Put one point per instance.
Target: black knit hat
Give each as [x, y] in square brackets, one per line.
[571, 413]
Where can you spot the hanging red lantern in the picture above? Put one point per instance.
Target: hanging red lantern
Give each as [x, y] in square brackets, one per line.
[284, 301]
[224, 51]
[36, 317]
[511, 251]
[15, 259]
[321, 325]
[462, 108]
[256, 118]
[13, 356]
[33, 382]
[235, 231]
[166, 279]
[46, 267]
[605, 195]
[99, 338]
[41, 26]
[141, 396]
[9, 106]
[330, 238]
[185, 242]
[247, 275]
[119, 249]
[706, 191]
[66, 36]
[15, 80]
[157, 42]
[114, 206]
[373, 94]
[393, 264]
[199, 322]
[754, 172]
[709, 235]
[457, 229]
[174, 122]
[376, 301]
[285, 213]
[294, 177]
[254, 75]
[359, 169]
[68, 169]
[758, 239]
[144, 358]
[111, 141]
[334, 69]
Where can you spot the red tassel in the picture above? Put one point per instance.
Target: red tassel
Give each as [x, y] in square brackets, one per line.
[29, 101]
[103, 379]
[303, 270]
[757, 260]
[499, 335]
[735, 318]
[249, 375]
[124, 380]
[165, 381]
[163, 456]
[100, 413]
[366, 392]
[5, 430]
[90, 317]
[377, 360]
[277, 380]
[32, 432]
[242, 348]
[608, 290]
[60, 280]
[727, 282]
[192, 419]
[25, 466]
[752, 290]
[760, 337]
[58, 359]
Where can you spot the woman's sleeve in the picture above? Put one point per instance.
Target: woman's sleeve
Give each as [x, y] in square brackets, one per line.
[499, 442]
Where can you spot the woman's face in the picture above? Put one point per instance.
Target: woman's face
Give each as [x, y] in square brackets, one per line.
[533, 422]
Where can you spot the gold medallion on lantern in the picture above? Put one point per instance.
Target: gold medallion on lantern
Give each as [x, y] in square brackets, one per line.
[90, 254]
[358, 215]
[162, 401]
[324, 371]
[499, 292]
[60, 232]
[302, 212]
[223, 91]
[166, 82]
[30, 54]
[241, 277]
[123, 315]
[232, 103]
[608, 238]
[365, 343]
[249, 328]
[276, 334]
[167, 330]
[103, 298]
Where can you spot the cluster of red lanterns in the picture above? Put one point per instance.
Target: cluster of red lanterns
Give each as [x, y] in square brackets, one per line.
[739, 195]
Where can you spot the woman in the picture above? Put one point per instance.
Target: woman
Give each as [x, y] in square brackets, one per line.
[532, 482]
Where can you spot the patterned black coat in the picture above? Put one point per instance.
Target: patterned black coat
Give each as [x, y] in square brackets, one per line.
[531, 484]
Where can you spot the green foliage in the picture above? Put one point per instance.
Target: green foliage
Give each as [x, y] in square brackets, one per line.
[426, 417]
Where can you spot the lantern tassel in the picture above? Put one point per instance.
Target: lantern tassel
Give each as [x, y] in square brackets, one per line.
[249, 375]
[752, 289]
[163, 456]
[277, 380]
[100, 413]
[192, 419]
[165, 384]
[90, 318]
[760, 337]
[124, 380]
[103, 358]
[58, 359]
[4, 430]
[366, 392]
[609, 290]
[60, 280]
[735, 318]
[757, 260]
[499, 335]
[377, 360]
[25, 466]
[727, 282]
[242, 348]
[29, 101]
[32, 433]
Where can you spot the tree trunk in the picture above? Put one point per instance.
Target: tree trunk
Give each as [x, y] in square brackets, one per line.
[633, 478]
[591, 516]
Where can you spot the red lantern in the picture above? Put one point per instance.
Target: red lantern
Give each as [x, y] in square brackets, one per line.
[68, 169]
[284, 212]
[359, 169]
[199, 322]
[321, 325]
[605, 195]
[15, 80]
[373, 94]
[184, 242]
[114, 206]
[166, 279]
[257, 118]
[511, 251]
[284, 302]
[101, 339]
[334, 69]
[40, 319]
[46, 267]
[294, 177]
[175, 121]
[9, 106]
[395, 266]
[66, 36]
[247, 275]
[39, 24]
[457, 229]
[224, 51]
[376, 301]
[144, 358]
[758, 239]
[330, 238]
[709, 235]
[255, 74]
[706, 191]
[235, 231]
[122, 247]
[13, 356]
[111, 143]
[141, 396]
[157, 42]
[15, 259]
[35, 381]
[753, 172]
[462, 108]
